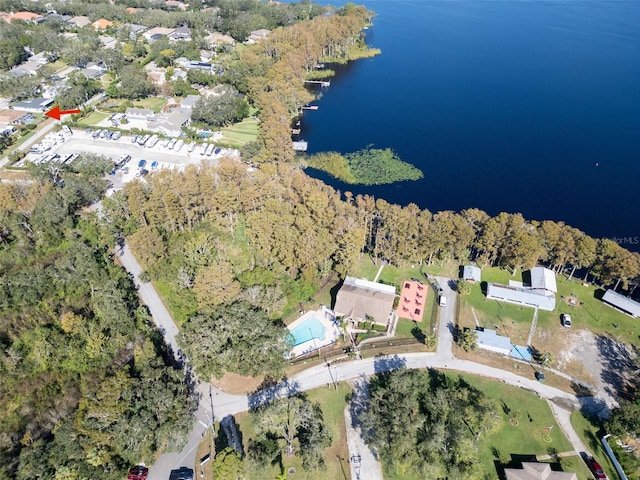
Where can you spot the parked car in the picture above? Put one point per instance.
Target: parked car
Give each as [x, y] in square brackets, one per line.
[217, 150]
[139, 472]
[565, 320]
[182, 473]
[142, 163]
[96, 134]
[596, 469]
[116, 136]
[134, 139]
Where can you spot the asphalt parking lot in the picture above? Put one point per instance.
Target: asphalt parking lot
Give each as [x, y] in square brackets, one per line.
[83, 142]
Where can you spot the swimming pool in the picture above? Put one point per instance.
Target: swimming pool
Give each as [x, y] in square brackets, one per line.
[309, 329]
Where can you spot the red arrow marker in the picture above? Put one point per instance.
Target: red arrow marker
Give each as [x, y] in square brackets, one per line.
[55, 112]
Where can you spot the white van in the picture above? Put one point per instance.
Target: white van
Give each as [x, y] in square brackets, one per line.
[442, 300]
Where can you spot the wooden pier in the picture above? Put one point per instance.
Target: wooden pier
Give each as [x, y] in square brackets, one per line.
[322, 83]
[310, 107]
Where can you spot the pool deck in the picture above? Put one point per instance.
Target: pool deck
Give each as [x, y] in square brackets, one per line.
[331, 332]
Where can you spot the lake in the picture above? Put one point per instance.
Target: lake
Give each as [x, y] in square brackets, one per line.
[525, 106]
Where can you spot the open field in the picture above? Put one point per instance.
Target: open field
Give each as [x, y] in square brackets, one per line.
[241, 133]
[333, 403]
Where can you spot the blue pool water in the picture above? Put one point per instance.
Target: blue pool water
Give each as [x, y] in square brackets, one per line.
[307, 330]
[523, 353]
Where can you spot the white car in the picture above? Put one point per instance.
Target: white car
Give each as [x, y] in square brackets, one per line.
[565, 320]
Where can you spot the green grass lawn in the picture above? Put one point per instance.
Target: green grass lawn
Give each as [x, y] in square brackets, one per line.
[152, 103]
[93, 118]
[589, 432]
[241, 133]
[333, 403]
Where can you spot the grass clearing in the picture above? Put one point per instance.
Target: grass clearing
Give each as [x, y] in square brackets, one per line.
[152, 103]
[336, 456]
[93, 119]
[241, 133]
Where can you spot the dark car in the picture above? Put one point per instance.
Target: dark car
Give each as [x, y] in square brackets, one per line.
[596, 469]
[182, 473]
[138, 472]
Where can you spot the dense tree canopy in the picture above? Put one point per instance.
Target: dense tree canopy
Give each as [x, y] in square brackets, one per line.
[85, 389]
[424, 423]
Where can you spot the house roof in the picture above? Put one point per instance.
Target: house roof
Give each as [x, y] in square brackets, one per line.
[79, 21]
[537, 471]
[363, 298]
[521, 296]
[189, 101]
[136, 28]
[543, 279]
[471, 272]
[102, 23]
[628, 306]
[139, 112]
[490, 340]
[33, 104]
[8, 116]
[262, 33]
[24, 16]
[161, 31]
[170, 124]
[216, 38]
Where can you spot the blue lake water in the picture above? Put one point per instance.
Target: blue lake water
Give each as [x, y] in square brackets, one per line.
[524, 106]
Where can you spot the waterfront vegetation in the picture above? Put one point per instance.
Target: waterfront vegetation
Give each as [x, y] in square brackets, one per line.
[369, 166]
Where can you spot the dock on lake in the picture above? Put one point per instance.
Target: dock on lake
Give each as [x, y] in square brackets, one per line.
[322, 83]
[310, 107]
[300, 146]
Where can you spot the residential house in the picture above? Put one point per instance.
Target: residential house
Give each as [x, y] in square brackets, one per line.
[93, 70]
[489, 340]
[36, 105]
[258, 35]
[139, 113]
[79, 21]
[182, 33]
[206, 55]
[157, 77]
[216, 39]
[157, 32]
[359, 300]
[107, 41]
[472, 274]
[537, 471]
[171, 123]
[7, 130]
[135, 29]
[189, 101]
[102, 24]
[175, 5]
[538, 292]
[21, 16]
[16, 117]
[622, 303]
[26, 68]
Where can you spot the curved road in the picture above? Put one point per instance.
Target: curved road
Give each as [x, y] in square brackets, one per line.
[322, 375]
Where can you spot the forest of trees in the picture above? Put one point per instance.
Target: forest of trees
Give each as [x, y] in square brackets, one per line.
[425, 424]
[85, 386]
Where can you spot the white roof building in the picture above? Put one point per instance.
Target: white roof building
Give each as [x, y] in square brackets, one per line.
[543, 279]
[471, 273]
[521, 296]
[622, 303]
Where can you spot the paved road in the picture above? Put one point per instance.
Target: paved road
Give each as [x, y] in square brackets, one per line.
[368, 468]
[323, 375]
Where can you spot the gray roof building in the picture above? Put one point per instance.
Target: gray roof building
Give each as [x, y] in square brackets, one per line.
[537, 471]
[622, 303]
[36, 105]
[521, 296]
[189, 101]
[358, 298]
[139, 113]
[490, 340]
[543, 279]
[170, 124]
[471, 273]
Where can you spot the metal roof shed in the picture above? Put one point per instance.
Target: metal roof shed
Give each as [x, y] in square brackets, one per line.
[622, 303]
[471, 273]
